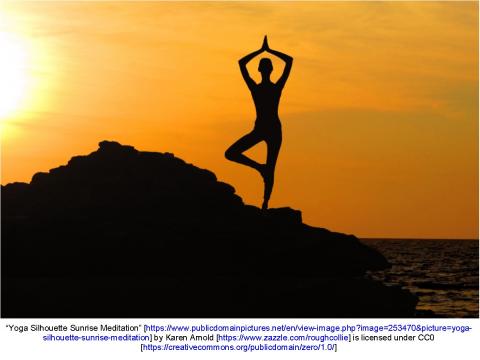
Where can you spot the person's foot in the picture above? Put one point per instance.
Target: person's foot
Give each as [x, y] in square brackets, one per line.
[262, 170]
[267, 175]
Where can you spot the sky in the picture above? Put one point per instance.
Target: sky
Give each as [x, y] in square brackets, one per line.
[379, 115]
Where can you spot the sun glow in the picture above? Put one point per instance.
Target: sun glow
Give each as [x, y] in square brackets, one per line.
[13, 74]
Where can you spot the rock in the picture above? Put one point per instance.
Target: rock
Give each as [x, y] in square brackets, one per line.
[167, 227]
[284, 215]
[114, 147]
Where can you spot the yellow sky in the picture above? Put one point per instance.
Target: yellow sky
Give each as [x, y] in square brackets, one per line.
[379, 116]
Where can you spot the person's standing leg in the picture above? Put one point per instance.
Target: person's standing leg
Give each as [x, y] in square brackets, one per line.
[273, 148]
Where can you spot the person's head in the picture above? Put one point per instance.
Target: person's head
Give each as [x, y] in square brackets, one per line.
[265, 66]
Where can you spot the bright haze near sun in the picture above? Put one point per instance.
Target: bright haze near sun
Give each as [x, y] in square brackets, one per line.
[13, 73]
[25, 78]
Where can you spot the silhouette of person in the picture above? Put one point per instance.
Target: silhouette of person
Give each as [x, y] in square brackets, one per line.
[266, 97]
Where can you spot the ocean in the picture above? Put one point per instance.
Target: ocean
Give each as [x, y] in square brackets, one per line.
[442, 273]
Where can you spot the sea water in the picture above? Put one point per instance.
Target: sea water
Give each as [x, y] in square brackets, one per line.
[442, 273]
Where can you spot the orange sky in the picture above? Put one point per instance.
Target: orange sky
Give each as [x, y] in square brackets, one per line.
[379, 116]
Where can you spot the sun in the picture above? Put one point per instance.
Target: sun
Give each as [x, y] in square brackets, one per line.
[13, 74]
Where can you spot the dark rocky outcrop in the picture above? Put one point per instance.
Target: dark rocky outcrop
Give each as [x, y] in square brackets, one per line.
[125, 233]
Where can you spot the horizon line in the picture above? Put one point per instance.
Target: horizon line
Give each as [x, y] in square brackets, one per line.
[405, 238]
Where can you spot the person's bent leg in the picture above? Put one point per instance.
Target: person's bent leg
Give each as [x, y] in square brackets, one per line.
[235, 152]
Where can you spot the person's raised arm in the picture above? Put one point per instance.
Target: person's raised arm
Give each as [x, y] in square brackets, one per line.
[286, 58]
[245, 60]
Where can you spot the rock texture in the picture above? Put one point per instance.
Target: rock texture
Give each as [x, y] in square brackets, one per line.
[125, 233]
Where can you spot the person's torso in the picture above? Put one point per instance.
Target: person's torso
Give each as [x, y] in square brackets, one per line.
[266, 98]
